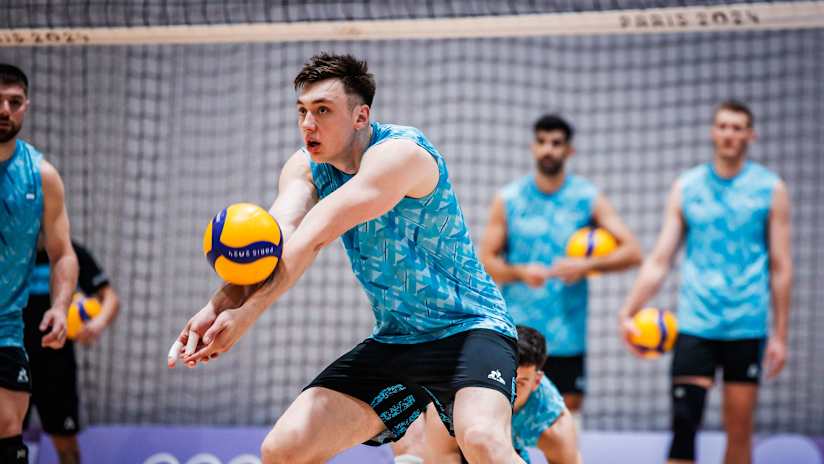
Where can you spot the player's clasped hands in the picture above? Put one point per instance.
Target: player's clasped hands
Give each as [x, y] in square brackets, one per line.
[534, 275]
[569, 270]
[208, 334]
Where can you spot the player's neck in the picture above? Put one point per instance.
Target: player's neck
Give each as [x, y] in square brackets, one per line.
[7, 149]
[729, 167]
[550, 184]
[350, 161]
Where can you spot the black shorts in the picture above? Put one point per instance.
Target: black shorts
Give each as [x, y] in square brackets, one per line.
[568, 373]
[54, 389]
[14, 369]
[739, 359]
[399, 380]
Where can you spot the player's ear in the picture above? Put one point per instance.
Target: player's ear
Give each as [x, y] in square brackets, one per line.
[538, 376]
[361, 116]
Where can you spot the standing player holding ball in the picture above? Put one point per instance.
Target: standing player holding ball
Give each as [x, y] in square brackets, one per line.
[733, 216]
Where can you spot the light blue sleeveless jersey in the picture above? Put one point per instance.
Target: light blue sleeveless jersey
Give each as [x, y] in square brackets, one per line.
[417, 263]
[725, 280]
[538, 227]
[541, 410]
[21, 194]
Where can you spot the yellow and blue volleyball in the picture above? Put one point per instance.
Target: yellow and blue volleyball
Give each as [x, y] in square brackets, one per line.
[82, 310]
[243, 243]
[590, 241]
[657, 331]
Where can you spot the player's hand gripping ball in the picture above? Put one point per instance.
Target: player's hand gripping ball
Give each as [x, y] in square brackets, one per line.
[82, 310]
[590, 241]
[243, 243]
[657, 330]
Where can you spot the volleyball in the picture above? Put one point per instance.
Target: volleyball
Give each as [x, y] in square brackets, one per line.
[590, 241]
[657, 331]
[82, 310]
[243, 243]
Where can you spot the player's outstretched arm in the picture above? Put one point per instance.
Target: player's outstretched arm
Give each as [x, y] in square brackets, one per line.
[296, 196]
[388, 172]
[781, 278]
[559, 443]
[656, 265]
[63, 261]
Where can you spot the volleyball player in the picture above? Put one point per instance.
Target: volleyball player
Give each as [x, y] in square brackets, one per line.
[54, 388]
[524, 250]
[31, 193]
[442, 331]
[540, 419]
[733, 215]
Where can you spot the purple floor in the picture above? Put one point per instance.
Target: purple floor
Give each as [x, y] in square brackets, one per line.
[205, 445]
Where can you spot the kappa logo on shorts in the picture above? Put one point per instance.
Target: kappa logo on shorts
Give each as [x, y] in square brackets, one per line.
[496, 376]
[752, 371]
[22, 376]
[69, 424]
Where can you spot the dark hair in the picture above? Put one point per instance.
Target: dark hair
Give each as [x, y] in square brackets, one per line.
[531, 347]
[353, 73]
[551, 122]
[736, 106]
[10, 75]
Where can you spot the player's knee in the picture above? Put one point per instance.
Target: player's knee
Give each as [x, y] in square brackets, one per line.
[483, 441]
[687, 412]
[284, 446]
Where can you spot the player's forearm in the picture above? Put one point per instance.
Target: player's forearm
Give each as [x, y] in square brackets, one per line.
[781, 277]
[63, 280]
[652, 275]
[627, 255]
[297, 256]
[230, 296]
[501, 271]
[109, 305]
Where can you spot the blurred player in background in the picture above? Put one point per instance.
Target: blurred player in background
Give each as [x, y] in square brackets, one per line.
[524, 250]
[733, 216]
[31, 193]
[54, 372]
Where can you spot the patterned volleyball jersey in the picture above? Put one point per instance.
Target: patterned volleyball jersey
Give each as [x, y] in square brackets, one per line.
[538, 227]
[417, 262]
[725, 280]
[21, 194]
[541, 410]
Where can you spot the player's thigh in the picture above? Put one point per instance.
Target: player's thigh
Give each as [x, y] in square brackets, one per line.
[54, 391]
[13, 405]
[325, 422]
[440, 446]
[560, 443]
[694, 361]
[486, 410]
